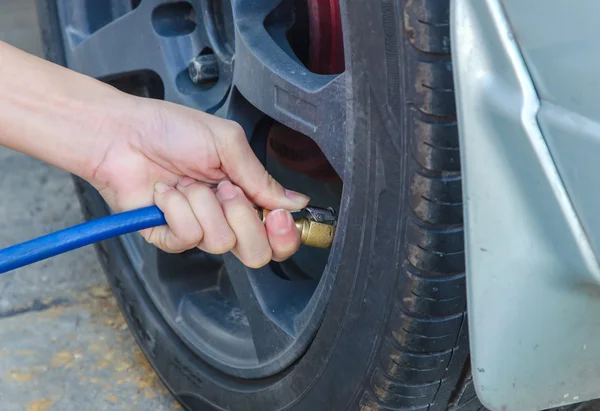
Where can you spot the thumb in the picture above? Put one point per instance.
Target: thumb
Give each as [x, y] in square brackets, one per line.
[245, 170]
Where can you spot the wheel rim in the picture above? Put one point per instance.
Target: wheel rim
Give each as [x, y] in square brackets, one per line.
[247, 323]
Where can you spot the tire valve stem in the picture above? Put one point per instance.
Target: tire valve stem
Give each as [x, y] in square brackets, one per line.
[316, 225]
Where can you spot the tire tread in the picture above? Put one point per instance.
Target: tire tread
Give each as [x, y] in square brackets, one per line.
[429, 310]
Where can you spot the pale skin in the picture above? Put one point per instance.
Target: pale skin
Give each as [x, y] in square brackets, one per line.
[197, 168]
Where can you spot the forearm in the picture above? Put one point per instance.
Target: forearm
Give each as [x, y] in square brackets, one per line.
[56, 115]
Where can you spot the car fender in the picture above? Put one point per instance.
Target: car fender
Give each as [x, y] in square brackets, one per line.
[532, 269]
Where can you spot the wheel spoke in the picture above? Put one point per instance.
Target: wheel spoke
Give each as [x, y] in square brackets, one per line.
[131, 44]
[268, 336]
[284, 89]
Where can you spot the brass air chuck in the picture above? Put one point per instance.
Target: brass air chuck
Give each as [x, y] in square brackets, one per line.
[316, 225]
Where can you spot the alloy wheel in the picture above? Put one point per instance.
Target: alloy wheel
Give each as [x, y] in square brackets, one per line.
[277, 68]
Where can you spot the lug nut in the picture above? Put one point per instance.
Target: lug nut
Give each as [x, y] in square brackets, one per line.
[203, 69]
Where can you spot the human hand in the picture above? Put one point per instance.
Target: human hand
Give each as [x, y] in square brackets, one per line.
[201, 172]
[138, 152]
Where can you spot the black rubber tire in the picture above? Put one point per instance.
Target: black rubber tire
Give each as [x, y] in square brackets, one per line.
[394, 335]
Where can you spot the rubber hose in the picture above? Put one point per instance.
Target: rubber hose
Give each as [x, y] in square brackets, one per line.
[78, 236]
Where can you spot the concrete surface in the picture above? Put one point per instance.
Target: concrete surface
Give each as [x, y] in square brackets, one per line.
[63, 342]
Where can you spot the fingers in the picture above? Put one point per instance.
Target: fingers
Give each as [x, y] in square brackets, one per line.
[245, 170]
[183, 231]
[218, 237]
[221, 222]
[252, 246]
[283, 235]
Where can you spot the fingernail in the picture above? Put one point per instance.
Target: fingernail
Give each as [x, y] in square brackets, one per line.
[226, 191]
[161, 187]
[297, 197]
[186, 181]
[281, 221]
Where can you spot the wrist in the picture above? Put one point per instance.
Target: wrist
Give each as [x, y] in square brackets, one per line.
[59, 116]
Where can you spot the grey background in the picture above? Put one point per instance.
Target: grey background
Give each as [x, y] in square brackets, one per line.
[63, 342]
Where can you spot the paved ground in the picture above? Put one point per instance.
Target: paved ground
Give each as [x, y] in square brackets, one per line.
[63, 343]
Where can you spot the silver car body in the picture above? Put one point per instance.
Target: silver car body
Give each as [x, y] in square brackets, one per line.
[527, 76]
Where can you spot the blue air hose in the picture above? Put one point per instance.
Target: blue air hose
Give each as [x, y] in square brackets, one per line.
[78, 236]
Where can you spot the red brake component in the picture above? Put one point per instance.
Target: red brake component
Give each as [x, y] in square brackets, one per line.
[290, 148]
[326, 37]
[299, 153]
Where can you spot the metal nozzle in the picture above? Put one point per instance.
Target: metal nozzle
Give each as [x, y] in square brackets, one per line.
[315, 234]
[317, 229]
